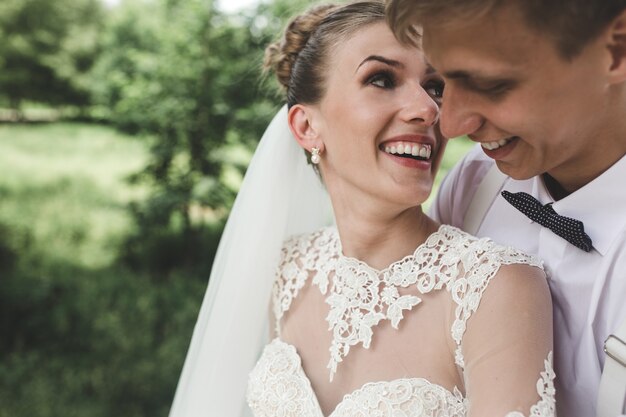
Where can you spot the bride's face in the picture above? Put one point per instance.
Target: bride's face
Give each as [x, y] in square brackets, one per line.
[378, 120]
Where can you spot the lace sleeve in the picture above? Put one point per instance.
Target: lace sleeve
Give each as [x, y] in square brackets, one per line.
[507, 347]
[302, 256]
[290, 277]
[545, 407]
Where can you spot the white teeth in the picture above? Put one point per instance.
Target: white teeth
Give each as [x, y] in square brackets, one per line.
[496, 144]
[415, 149]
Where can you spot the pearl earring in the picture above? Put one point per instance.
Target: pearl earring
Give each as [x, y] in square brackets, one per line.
[315, 156]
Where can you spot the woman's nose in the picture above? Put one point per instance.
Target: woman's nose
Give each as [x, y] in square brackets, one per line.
[421, 108]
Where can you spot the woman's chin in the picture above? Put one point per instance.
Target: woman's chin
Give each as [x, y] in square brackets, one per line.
[414, 197]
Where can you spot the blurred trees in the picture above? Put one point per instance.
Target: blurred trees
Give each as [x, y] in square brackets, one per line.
[46, 50]
[184, 78]
[188, 77]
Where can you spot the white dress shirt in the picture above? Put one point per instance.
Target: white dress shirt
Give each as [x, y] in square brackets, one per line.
[588, 289]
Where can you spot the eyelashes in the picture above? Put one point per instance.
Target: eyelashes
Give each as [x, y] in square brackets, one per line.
[382, 79]
[387, 80]
[434, 88]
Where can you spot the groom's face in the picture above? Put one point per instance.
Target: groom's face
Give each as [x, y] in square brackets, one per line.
[508, 88]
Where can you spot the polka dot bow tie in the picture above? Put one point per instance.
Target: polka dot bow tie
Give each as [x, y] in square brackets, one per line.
[569, 229]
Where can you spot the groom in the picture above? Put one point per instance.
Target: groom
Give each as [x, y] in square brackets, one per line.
[541, 86]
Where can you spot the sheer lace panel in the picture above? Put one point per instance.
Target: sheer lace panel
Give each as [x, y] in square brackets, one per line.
[278, 387]
[300, 256]
[361, 296]
[480, 261]
[546, 407]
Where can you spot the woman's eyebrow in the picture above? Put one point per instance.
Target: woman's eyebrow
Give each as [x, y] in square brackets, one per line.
[382, 59]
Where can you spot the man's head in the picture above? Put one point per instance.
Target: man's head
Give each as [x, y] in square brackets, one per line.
[571, 24]
[540, 83]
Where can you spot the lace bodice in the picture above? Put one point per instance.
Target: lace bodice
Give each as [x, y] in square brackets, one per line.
[279, 387]
[359, 298]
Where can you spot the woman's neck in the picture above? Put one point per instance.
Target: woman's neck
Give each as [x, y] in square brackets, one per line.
[381, 240]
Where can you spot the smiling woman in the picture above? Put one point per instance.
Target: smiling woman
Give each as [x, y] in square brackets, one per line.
[358, 307]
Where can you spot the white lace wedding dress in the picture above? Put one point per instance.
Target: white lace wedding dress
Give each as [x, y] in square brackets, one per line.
[359, 298]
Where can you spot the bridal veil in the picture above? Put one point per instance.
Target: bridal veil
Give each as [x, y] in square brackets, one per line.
[280, 196]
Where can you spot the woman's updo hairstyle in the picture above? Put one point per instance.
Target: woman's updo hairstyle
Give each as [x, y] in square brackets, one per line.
[300, 59]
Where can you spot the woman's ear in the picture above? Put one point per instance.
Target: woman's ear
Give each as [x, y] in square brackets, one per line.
[617, 48]
[302, 124]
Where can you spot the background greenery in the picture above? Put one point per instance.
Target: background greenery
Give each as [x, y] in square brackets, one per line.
[124, 136]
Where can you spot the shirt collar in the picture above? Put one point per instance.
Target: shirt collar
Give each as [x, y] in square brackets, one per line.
[600, 205]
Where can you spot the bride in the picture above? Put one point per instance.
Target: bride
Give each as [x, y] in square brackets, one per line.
[384, 313]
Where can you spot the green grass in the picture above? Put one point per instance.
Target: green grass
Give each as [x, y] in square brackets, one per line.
[80, 334]
[66, 185]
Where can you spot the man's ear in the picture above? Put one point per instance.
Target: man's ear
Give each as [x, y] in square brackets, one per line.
[302, 124]
[617, 48]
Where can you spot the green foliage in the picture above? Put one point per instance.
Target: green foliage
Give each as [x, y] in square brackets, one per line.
[189, 77]
[98, 302]
[82, 335]
[46, 50]
[129, 46]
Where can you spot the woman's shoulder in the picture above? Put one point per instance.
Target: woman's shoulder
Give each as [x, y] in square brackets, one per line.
[476, 251]
[310, 244]
[302, 256]
[308, 254]
[479, 260]
[480, 269]
[500, 279]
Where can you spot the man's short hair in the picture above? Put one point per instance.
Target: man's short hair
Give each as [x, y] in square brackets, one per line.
[571, 24]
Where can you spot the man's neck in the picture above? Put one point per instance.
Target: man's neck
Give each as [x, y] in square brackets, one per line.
[554, 188]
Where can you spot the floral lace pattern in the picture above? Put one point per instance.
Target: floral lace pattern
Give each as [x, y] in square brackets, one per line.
[360, 296]
[278, 386]
[402, 398]
[545, 388]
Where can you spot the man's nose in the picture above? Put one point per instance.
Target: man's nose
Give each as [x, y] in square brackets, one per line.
[459, 115]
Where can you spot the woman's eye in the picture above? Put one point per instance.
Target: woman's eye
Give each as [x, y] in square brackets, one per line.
[382, 80]
[435, 88]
